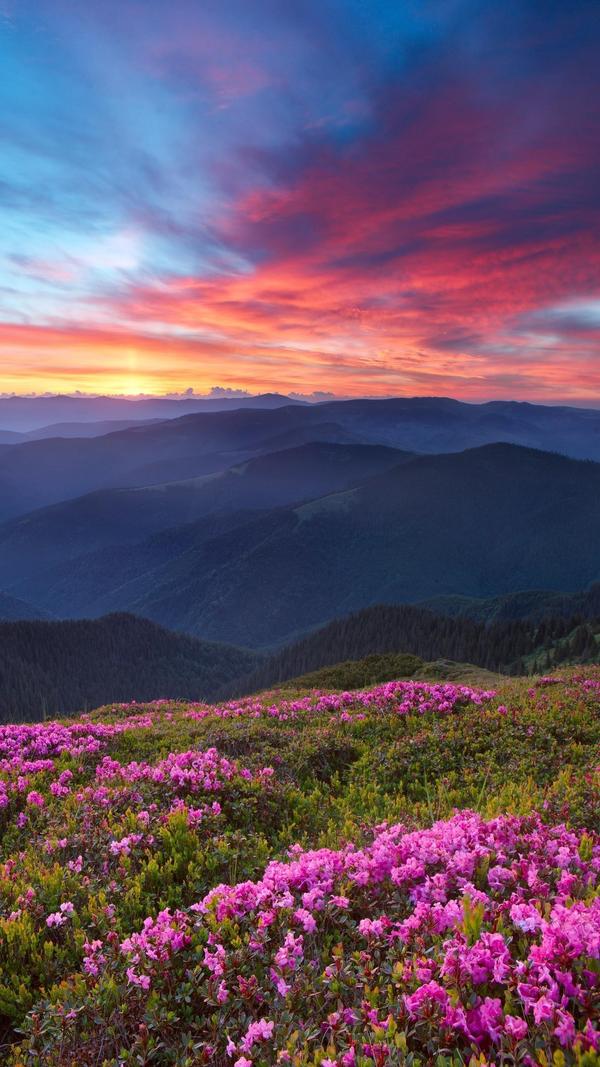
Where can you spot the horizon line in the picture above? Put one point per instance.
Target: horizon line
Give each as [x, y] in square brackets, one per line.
[313, 398]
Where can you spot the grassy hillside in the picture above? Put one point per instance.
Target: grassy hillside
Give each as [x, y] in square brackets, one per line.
[287, 879]
[362, 672]
[50, 668]
[374, 669]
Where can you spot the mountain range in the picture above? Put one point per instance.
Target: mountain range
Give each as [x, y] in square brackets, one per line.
[37, 473]
[481, 523]
[310, 511]
[40, 414]
[114, 517]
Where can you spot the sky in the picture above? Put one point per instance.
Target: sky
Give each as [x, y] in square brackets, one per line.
[356, 196]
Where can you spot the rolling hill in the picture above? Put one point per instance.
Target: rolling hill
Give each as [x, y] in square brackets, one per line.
[480, 523]
[112, 517]
[376, 668]
[38, 473]
[52, 668]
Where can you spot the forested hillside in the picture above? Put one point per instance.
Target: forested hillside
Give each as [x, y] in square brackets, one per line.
[511, 647]
[533, 604]
[51, 668]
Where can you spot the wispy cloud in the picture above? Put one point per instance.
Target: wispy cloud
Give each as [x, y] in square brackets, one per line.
[310, 195]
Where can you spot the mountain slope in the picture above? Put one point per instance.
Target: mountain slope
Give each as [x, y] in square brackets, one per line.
[84, 429]
[58, 667]
[11, 608]
[38, 473]
[52, 535]
[534, 604]
[119, 575]
[480, 523]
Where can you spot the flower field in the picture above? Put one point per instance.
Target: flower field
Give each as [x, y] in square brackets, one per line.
[408, 874]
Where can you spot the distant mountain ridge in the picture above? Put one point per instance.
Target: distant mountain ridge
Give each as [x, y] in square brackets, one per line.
[24, 414]
[37, 473]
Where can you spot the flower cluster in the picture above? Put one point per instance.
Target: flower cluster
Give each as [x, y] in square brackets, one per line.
[191, 771]
[494, 928]
[48, 739]
[400, 697]
[481, 937]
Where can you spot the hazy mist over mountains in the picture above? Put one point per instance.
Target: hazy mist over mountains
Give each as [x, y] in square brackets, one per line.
[312, 510]
[41, 472]
[40, 415]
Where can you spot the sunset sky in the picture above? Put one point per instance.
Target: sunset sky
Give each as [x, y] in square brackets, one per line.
[359, 196]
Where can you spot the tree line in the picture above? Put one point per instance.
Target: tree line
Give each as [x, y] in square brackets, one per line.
[512, 647]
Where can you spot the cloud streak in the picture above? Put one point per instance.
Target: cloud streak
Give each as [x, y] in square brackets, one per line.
[314, 199]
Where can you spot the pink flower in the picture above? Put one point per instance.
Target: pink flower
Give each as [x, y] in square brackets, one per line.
[141, 980]
[515, 1027]
[59, 918]
[565, 1031]
[543, 1009]
[340, 902]
[307, 920]
[257, 1031]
